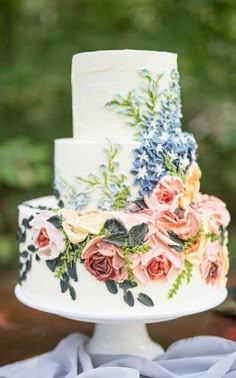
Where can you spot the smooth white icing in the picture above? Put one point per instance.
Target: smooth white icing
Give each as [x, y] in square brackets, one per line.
[93, 296]
[98, 76]
[74, 158]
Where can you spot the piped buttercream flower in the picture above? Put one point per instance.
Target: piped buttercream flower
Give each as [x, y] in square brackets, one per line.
[47, 238]
[213, 210]
[104, 260]
[184, 224]
[78, 226]
[191, 186]
[166, 194]
[159, 263]
[215, 263]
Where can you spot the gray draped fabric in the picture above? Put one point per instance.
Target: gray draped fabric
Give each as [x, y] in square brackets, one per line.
[202, 356]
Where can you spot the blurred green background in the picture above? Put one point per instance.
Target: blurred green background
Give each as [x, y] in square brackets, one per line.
[37, 41]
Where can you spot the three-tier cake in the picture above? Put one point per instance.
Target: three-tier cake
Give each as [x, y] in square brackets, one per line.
[128, 230]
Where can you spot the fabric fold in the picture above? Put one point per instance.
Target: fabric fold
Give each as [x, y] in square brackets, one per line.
[197, 357]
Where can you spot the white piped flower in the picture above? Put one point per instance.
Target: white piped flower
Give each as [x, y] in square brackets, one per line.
[159, 148]
[172, 156]
[143, 156]
[159, 169]
[184, 162]
[142, 173]
[164, 137]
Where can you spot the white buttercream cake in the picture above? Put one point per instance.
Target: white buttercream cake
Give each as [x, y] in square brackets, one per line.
[128, 230]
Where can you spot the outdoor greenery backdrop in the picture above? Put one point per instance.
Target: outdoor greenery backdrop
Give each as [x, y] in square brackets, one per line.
[37, 41]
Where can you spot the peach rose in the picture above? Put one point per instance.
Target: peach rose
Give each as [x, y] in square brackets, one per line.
[191, 186]
[78, 226]
[47, 238]
[194, 253]
[158, 264]
[183, 223]
[213, 210]
[215, 263]
[103, 260]
[166, 194]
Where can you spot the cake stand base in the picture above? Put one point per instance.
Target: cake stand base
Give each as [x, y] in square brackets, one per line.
[122, 334]
[123, 339]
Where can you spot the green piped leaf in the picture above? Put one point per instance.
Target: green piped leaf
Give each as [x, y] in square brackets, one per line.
[114, 226]
[145, 300]
[184, 275]
[118, 239]
[128, 298]
[140, 203]
[52, 264]
[111, 286]
[128, 284]
[64, 283]
[71, 268]
[56, 221]
[72, 293]
[137, 234]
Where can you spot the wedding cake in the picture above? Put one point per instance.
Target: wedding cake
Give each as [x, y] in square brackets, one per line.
[128, 230]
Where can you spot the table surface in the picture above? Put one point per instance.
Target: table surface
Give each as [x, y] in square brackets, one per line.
[25, 332]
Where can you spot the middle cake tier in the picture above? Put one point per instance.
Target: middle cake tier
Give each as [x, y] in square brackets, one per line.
[89, 175]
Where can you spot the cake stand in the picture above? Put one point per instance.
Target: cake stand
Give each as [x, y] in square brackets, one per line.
[123, 334]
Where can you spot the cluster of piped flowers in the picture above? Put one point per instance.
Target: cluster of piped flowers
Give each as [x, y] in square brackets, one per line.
[155, 112]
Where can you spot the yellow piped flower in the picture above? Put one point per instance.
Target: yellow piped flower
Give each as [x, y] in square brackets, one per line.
[191, 186]
[78, 226]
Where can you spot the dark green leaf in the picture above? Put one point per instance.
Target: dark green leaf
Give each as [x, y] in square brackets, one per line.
[31, 248]
[56, 193]
[28, 265]
[177, 248]
[71, 268]
[115, 226]
[145, 300]
[128, 298]
[128, 284]
[111, 286]
[117, 238]
[24, 254]
[26, 222]
[52, 264]
[37, 257]
[222, 235]
[72, 293]
[23, 276]
[56, 221]
[61, 204]
[64, 283]
[175, 238]
[137, 234]
[140, 203]
[21, 235]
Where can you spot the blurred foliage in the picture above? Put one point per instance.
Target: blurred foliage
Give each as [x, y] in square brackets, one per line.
[37, 40]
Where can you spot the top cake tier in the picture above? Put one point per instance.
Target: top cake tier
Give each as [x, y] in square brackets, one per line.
[102, 77]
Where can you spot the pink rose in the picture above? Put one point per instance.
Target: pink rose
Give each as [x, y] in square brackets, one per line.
[47, 238]
[214, 264]
[213, 210]
[166, 194]
[131, 219]
[104, 260]
[183, 223]
[158, 264]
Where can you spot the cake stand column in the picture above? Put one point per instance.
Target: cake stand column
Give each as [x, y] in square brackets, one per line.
[123, 339]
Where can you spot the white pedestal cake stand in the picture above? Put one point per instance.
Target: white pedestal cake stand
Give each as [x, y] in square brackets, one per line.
[123, 334]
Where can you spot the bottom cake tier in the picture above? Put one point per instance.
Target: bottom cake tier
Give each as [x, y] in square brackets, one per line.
[82, 264]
